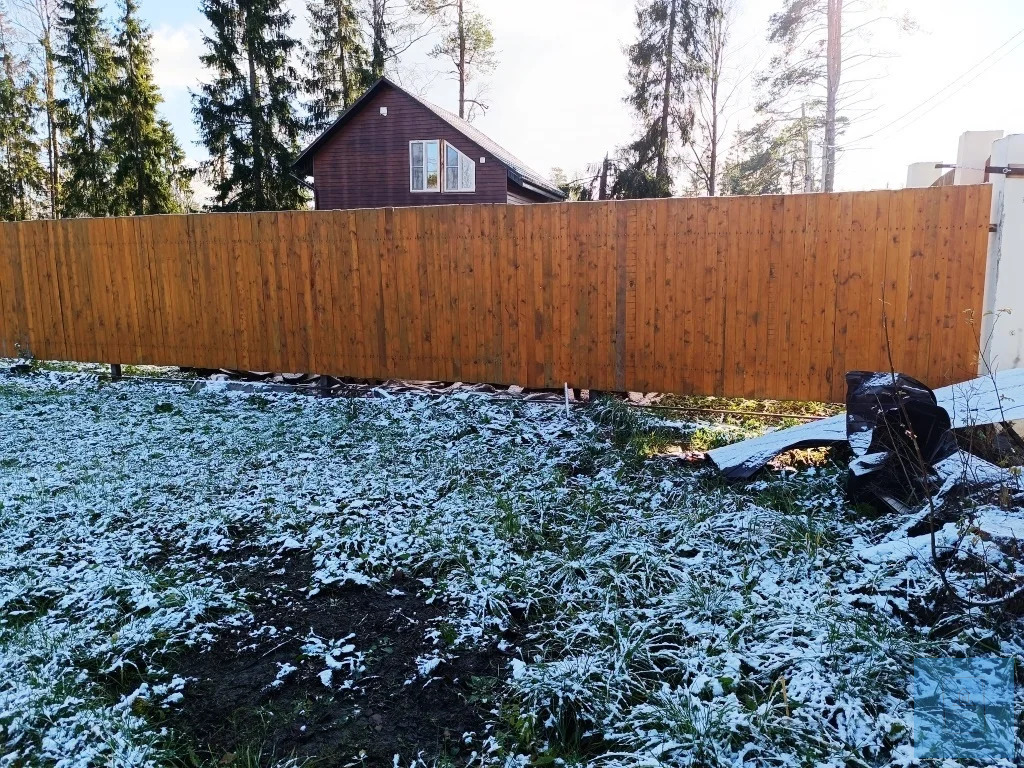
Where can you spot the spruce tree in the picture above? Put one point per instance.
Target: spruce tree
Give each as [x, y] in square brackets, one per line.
[149, 170]
[247, 111]
[336, 61]
[382, 32]
[661, 63]
[86, 64]
[22, 176]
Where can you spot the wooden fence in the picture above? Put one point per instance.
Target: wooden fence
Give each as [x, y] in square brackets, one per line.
[773, 296]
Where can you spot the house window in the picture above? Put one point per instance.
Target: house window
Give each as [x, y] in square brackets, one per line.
[459, 171]
[425, 166]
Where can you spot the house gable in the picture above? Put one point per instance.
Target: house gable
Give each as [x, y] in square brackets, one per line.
[364, 161]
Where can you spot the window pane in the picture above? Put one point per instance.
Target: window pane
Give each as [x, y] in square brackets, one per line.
[451, 157]
[416, 165]
[451, 181]
[468, 173]
[433, 164]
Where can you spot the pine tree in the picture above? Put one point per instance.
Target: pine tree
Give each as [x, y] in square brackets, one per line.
[468, 42]
[336, 61]
[246, 113]
[150, 169]
[765, 160]
[797, 83]
[661, 63]
[814, 40]
[22, 176]
[86, 65]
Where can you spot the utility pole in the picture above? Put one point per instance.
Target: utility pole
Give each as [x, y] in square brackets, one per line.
[602, 190]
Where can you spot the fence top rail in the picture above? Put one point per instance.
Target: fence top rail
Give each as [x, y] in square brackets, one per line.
[696, 200]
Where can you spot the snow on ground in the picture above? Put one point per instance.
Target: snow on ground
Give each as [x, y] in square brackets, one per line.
[664, 617]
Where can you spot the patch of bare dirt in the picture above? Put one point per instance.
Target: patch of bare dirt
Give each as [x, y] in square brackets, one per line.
[232, 715]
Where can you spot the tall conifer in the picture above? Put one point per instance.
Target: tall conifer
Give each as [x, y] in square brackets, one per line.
[661, 63]
[336, 62]
[246, 113]
[23, 179]
[86, 65]
[149, 171]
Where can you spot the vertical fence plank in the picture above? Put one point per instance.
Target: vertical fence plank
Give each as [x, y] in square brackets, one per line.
[661, 259]
[978, 248]
[584, 262]
[942, 312]
[17, 336]
[813, 298]
[35, 315]
[967, 327]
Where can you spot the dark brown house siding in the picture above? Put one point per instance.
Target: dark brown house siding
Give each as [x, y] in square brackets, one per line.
[365, 164]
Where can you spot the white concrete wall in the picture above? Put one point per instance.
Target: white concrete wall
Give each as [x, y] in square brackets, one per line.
[923, 174]
[972, 156]
[1002, 326]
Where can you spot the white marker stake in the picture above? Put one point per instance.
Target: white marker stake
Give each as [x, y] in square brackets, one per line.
[568, 414]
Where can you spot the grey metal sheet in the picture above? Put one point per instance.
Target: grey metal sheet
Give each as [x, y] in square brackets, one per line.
[969, 403]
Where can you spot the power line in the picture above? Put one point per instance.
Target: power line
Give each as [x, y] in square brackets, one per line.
[948, 85]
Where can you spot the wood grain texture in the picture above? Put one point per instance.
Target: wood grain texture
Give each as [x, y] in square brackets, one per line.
[770, 297]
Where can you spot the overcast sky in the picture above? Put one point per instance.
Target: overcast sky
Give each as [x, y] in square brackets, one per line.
[557, 93]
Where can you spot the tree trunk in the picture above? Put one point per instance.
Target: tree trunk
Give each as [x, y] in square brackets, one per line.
[666, 99]
[44, 14]
[93, 196]
[19, 196]
[462, 62]
[713, 161]
[342, 64]
[834, 67]
[808, 163]
[52, 138]
[713, 158]
[256, 118]
[379, 42]
[140, 195]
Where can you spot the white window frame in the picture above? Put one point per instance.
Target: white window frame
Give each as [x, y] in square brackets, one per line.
[444, 171]
[423, 177]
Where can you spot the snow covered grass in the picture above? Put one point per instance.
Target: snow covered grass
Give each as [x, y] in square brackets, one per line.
[652, 614]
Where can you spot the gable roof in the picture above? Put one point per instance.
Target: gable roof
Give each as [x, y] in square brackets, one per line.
[518, 171]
